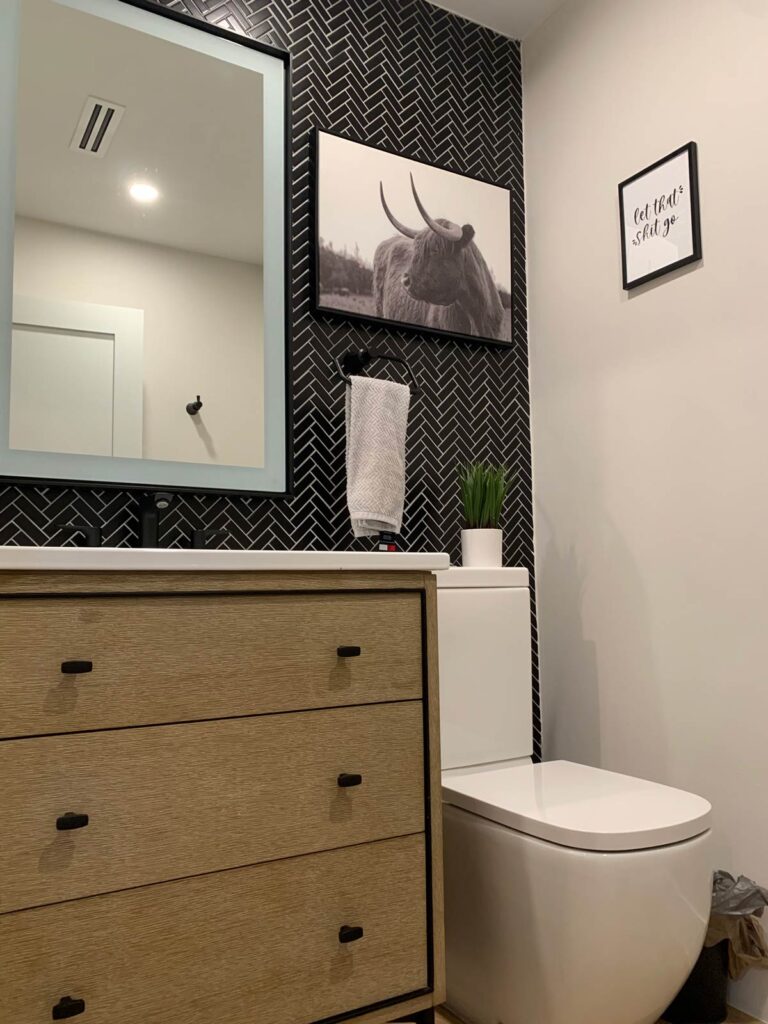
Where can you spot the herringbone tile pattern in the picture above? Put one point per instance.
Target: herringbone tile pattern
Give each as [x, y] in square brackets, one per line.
[414, 78]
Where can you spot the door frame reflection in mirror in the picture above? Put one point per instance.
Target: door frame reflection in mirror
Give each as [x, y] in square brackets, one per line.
[275, 478]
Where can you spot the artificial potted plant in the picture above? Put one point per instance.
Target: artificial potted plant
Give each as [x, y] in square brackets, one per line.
[483, 489]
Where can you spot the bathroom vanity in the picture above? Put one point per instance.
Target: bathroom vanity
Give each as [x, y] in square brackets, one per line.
[221, 787]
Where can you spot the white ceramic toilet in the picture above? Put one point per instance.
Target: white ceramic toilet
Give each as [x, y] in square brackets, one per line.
[573, 895]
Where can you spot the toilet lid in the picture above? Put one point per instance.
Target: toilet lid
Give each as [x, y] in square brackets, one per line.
[584, 808]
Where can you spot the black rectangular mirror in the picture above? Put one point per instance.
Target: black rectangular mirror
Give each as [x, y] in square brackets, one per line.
[144, 263]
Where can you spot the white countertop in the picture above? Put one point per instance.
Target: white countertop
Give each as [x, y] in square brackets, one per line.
[186, 560]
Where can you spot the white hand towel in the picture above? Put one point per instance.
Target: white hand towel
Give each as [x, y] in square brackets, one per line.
[377, 419]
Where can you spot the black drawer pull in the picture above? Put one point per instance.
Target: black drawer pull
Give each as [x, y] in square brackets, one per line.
[350, 933]
[74, 668]
[69, 821]
[67, 1007]
[349, 652]
[347, 779]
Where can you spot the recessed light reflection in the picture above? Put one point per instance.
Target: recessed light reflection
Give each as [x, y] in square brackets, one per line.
[143, 192]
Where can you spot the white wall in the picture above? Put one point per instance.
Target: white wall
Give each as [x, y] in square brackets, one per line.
[650, 415]
[203, 332]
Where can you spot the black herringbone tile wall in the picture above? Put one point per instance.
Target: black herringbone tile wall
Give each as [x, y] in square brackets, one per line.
[414, 78]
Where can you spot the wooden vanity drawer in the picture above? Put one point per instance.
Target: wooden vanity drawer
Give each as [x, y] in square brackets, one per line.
[257, 943]
[183, 658]
[170, 801]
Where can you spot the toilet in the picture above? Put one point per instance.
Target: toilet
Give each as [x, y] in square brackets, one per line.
[573, 895]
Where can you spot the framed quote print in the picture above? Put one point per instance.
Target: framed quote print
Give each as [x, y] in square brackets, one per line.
[660, 225]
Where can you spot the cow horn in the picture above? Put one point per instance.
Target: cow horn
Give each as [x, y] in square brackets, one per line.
[452, 234]
[408, 232]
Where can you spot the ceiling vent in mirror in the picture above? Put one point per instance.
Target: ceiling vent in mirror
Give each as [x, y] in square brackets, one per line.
[96, 127]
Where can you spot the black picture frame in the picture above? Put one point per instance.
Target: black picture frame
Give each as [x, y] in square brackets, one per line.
[320, 309]
[288, 491]
[690, 150]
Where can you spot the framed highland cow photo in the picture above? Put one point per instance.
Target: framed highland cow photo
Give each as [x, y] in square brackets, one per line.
[402, 243]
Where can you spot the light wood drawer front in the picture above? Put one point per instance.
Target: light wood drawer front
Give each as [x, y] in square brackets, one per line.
[171, 659]
[255, 944]
[171, 801]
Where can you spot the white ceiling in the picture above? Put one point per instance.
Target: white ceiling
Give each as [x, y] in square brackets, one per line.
[514, 18]
[192, 127]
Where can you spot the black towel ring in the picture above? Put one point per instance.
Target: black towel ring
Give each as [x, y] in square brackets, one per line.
[357, 359]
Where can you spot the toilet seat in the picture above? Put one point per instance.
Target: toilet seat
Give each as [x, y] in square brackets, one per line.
[579, 807]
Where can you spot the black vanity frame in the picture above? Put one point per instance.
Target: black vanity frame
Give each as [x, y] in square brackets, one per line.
[197, 23]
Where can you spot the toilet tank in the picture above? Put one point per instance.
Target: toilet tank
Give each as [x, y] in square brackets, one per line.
[484, 631]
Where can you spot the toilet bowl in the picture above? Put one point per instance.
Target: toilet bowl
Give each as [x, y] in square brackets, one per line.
[573, 895]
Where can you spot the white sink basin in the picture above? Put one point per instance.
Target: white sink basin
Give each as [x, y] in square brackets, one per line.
[184, 560]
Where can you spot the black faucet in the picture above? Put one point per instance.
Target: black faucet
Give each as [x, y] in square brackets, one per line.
[150, 507]
[90, 534]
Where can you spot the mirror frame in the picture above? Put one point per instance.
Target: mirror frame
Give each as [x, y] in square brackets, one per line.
[270, 481]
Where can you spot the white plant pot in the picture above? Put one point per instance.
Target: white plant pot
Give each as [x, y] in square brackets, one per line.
[481, 549]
